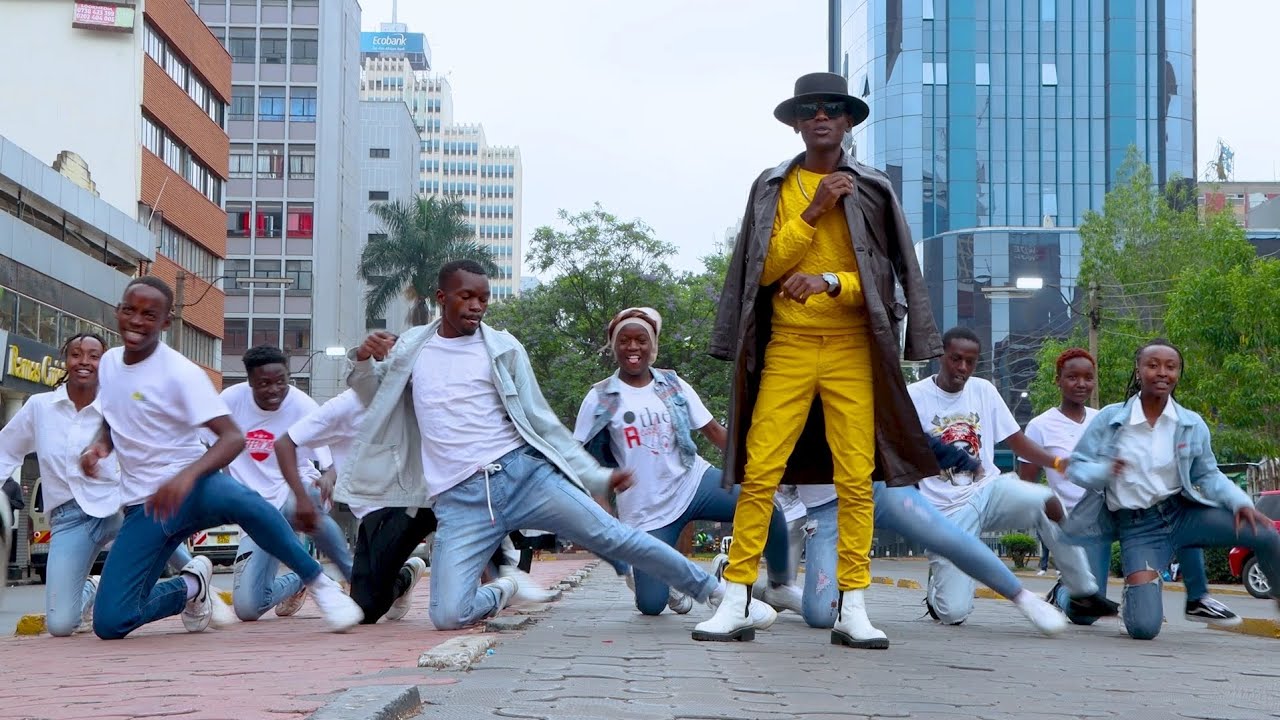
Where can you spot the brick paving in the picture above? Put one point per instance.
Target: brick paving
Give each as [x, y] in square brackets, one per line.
[279, 668]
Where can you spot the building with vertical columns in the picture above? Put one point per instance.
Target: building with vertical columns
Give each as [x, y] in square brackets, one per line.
[143, 91]
[292, 193]
[455, 159]
[999, 125]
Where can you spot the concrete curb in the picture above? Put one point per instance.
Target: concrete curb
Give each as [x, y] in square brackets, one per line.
[1257, 627]
[458, 653]
[1213, 589]
[372, 702]
[508, 623]
[30, 625]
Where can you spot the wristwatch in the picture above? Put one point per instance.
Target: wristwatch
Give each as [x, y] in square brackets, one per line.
[833, 283]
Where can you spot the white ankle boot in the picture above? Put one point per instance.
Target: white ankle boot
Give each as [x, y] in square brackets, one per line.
[852, 628]
[737, 617]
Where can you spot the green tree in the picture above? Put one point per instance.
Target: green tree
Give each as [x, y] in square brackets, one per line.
[601, 265]
[419, 238]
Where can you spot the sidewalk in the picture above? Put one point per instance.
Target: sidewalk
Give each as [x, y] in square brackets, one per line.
[594, 657]
[279, 668]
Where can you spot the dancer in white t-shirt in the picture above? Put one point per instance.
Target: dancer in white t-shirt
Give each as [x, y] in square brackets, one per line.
[1058, 429]
[968, 413]
[84, 512]
[641, 419]
[154, 402]
[266, 405]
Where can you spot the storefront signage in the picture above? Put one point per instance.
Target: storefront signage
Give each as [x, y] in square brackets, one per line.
[30, 366]
[107, 16]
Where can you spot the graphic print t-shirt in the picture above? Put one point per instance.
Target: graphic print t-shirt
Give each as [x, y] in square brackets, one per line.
[974, 420]
[256, 466]
[643, 439]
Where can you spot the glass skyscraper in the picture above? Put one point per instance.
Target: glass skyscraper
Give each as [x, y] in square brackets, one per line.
[999, 123]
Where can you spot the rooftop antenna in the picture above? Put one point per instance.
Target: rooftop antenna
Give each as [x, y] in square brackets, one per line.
[394, 5]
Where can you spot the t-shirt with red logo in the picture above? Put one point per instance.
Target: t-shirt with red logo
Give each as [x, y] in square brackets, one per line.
[256, 466]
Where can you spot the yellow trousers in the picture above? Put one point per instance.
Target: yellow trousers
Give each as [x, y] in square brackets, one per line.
[796, 367]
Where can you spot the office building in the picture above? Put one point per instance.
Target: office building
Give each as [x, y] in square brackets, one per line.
[455, 159]
[999, 124]
[388, 173]
[141, 97]
[292, 192]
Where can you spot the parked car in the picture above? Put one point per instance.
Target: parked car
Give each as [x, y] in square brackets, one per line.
[220, 544]
[1243, 564]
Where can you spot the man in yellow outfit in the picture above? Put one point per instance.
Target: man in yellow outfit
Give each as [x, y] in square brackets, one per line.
[822, 276]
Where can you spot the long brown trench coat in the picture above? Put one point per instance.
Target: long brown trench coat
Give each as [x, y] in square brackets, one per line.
[893, 288]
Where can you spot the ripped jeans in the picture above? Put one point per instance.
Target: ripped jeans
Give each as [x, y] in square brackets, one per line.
[905, 511]
[1149, 538]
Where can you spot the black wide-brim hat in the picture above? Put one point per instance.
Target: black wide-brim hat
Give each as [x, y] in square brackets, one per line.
[821, 86]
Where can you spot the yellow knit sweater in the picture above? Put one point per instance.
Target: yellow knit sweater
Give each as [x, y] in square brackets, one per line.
[798, 247]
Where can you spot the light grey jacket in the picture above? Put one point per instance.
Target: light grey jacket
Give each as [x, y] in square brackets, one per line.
[386, 461]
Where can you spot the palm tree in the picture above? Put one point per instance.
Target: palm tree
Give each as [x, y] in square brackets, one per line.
[421, 236]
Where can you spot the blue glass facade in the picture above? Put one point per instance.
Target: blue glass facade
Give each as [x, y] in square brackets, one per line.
[1000, 122]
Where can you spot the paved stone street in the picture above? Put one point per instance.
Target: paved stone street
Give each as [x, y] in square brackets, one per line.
[592, 656]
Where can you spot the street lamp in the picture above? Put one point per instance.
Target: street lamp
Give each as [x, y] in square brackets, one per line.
[333, 352]
[180, 293]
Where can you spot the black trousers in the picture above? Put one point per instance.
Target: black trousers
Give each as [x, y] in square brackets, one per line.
[385, 541]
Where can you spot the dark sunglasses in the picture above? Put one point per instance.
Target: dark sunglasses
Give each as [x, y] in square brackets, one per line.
[809, 111]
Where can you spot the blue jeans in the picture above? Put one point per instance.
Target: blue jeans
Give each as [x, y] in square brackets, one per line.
[711, 502]
[905, 511]
[257, 589]
[529, 492]
[77, 538]
[1098, 550]
[1002, 503]
[1148, 539]
[129, 596]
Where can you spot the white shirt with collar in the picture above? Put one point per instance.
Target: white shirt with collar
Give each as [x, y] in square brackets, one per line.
[1151, 465]
[50, 426]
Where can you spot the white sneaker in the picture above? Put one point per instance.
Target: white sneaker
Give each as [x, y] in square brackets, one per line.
[737, 617]
[86, 612]
[199, 609]
[853, 628]
[507, 589]
[340, 612]
[527, 590]
[417, 567]
[1039, 573]
[718, 565]
[679, 603]
[782, 597]
[292, 604]
[1047, 618]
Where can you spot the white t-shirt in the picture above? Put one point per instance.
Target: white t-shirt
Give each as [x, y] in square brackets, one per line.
[334, 425]
[1151, 471]
[256, 466]
[816, 495]
[463, 421]
[974, 419]
[50, 426]
[643, 439]
[156, 409]
[1059, 434]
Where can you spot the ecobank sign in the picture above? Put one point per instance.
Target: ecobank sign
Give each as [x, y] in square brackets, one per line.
[392, 42]
[388, 41]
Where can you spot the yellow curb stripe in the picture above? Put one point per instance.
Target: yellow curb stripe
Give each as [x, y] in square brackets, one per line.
[1258, 627]
[30, 625]
[908, 584]
[882, 580]
[225, 595]
[1176, 586]
[988, 593]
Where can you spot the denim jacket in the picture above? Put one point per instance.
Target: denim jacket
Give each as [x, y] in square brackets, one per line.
[608, 398]
[386, 459]
[1091, 461]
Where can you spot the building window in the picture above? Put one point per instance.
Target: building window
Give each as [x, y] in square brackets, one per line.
[152, 44]
[1048, 10]
[270, 161]
[300, 271]
[266, 268]
[379, 152]
[1050, 200]
[297, 336]
[238, 224]
[266, 331]
[377, 237]
[379, 195]
[269, 225]
[1049, 74]
[235, 335]
[242, 102]
[235, 269]
[927, 69]
[240, 163]
[982, 74]
[302, 104]
[306, 47]
[302, 163]
[300, 221]
[242, 45]
[271, 104]
[928, 9]
[275, 46]
[152, 137]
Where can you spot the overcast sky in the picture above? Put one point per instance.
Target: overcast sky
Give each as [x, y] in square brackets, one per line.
[662, 110]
